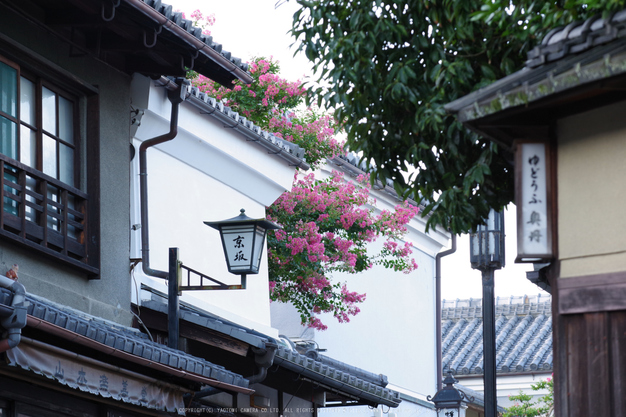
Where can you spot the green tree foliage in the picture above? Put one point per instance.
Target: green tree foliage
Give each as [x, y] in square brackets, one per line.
[524, 406]
[388, 67]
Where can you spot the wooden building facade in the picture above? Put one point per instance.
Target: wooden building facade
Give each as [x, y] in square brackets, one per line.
[570, 99]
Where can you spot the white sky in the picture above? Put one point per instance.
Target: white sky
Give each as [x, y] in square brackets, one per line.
[248, 28]
[459, 280]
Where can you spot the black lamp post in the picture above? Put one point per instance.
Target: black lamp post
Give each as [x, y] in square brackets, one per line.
[242, 240]
[449, 401]
[487, 255]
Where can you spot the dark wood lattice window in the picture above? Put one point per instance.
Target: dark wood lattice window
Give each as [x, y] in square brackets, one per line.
[42, 204]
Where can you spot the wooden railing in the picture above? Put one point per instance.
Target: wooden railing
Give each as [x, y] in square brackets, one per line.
[42, 212]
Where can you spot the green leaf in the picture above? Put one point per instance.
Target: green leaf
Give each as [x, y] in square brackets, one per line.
[396, 68]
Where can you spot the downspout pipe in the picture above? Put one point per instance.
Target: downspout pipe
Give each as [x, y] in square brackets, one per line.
[176, 96]
[438, 309]
[15, 321]
[263, 358]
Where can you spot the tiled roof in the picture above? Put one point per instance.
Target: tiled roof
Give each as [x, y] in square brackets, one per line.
[336, 378]
[578, 54]
[331, 373]
[577, 37]
[523, 335]
[133, 36]
[177, 17]
[210, 321]
[290, 151]
[124, 339]
[378, 379]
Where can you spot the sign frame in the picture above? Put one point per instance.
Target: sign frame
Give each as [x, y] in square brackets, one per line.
[534, 200]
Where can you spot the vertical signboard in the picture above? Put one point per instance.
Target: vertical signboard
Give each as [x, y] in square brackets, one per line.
[532, 194]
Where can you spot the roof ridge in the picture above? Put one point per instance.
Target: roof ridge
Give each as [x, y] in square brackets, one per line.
[577, 37]
[513, 305]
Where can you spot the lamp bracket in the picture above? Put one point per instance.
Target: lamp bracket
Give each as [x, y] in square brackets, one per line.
[216, 285]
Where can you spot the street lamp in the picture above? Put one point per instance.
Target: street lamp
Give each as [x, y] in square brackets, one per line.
[487, 244]
[449, 401]
[242, 240]
[487, 255]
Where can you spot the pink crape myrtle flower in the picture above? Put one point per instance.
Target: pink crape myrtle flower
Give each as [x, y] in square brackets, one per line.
[333, 239]
[327, 224]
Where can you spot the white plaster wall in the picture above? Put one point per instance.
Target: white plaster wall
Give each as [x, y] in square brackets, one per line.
[206, 173]
[216, 150]
[394, 334]
[507, 385]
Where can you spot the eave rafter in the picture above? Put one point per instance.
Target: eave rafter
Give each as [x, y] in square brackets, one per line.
[127, 37]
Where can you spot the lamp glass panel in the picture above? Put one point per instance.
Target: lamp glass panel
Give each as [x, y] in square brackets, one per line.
[451, 412]
[486, 244]
[491, 226]
[238, 245]
[474, 244]
[258, 247]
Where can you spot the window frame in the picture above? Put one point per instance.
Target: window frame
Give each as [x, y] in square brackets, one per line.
[86, 135]
[41, 132]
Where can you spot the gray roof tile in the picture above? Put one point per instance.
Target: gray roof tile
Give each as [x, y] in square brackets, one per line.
[577, 37]
[177, 17]
[333, 373]
[126, 339]
[568, 57]
[337, 379]
[523, 335]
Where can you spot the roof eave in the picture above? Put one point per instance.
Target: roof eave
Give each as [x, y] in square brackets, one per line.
[531, 99]
[293, 154]
[191, 40]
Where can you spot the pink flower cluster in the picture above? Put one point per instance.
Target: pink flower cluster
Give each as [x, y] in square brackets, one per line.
[278, 89]
[326, 229]
[201, 21]
[261, 65]
[269, 101]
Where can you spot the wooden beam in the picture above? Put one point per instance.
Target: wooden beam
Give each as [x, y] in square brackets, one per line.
[592, 293]
[157, 321]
